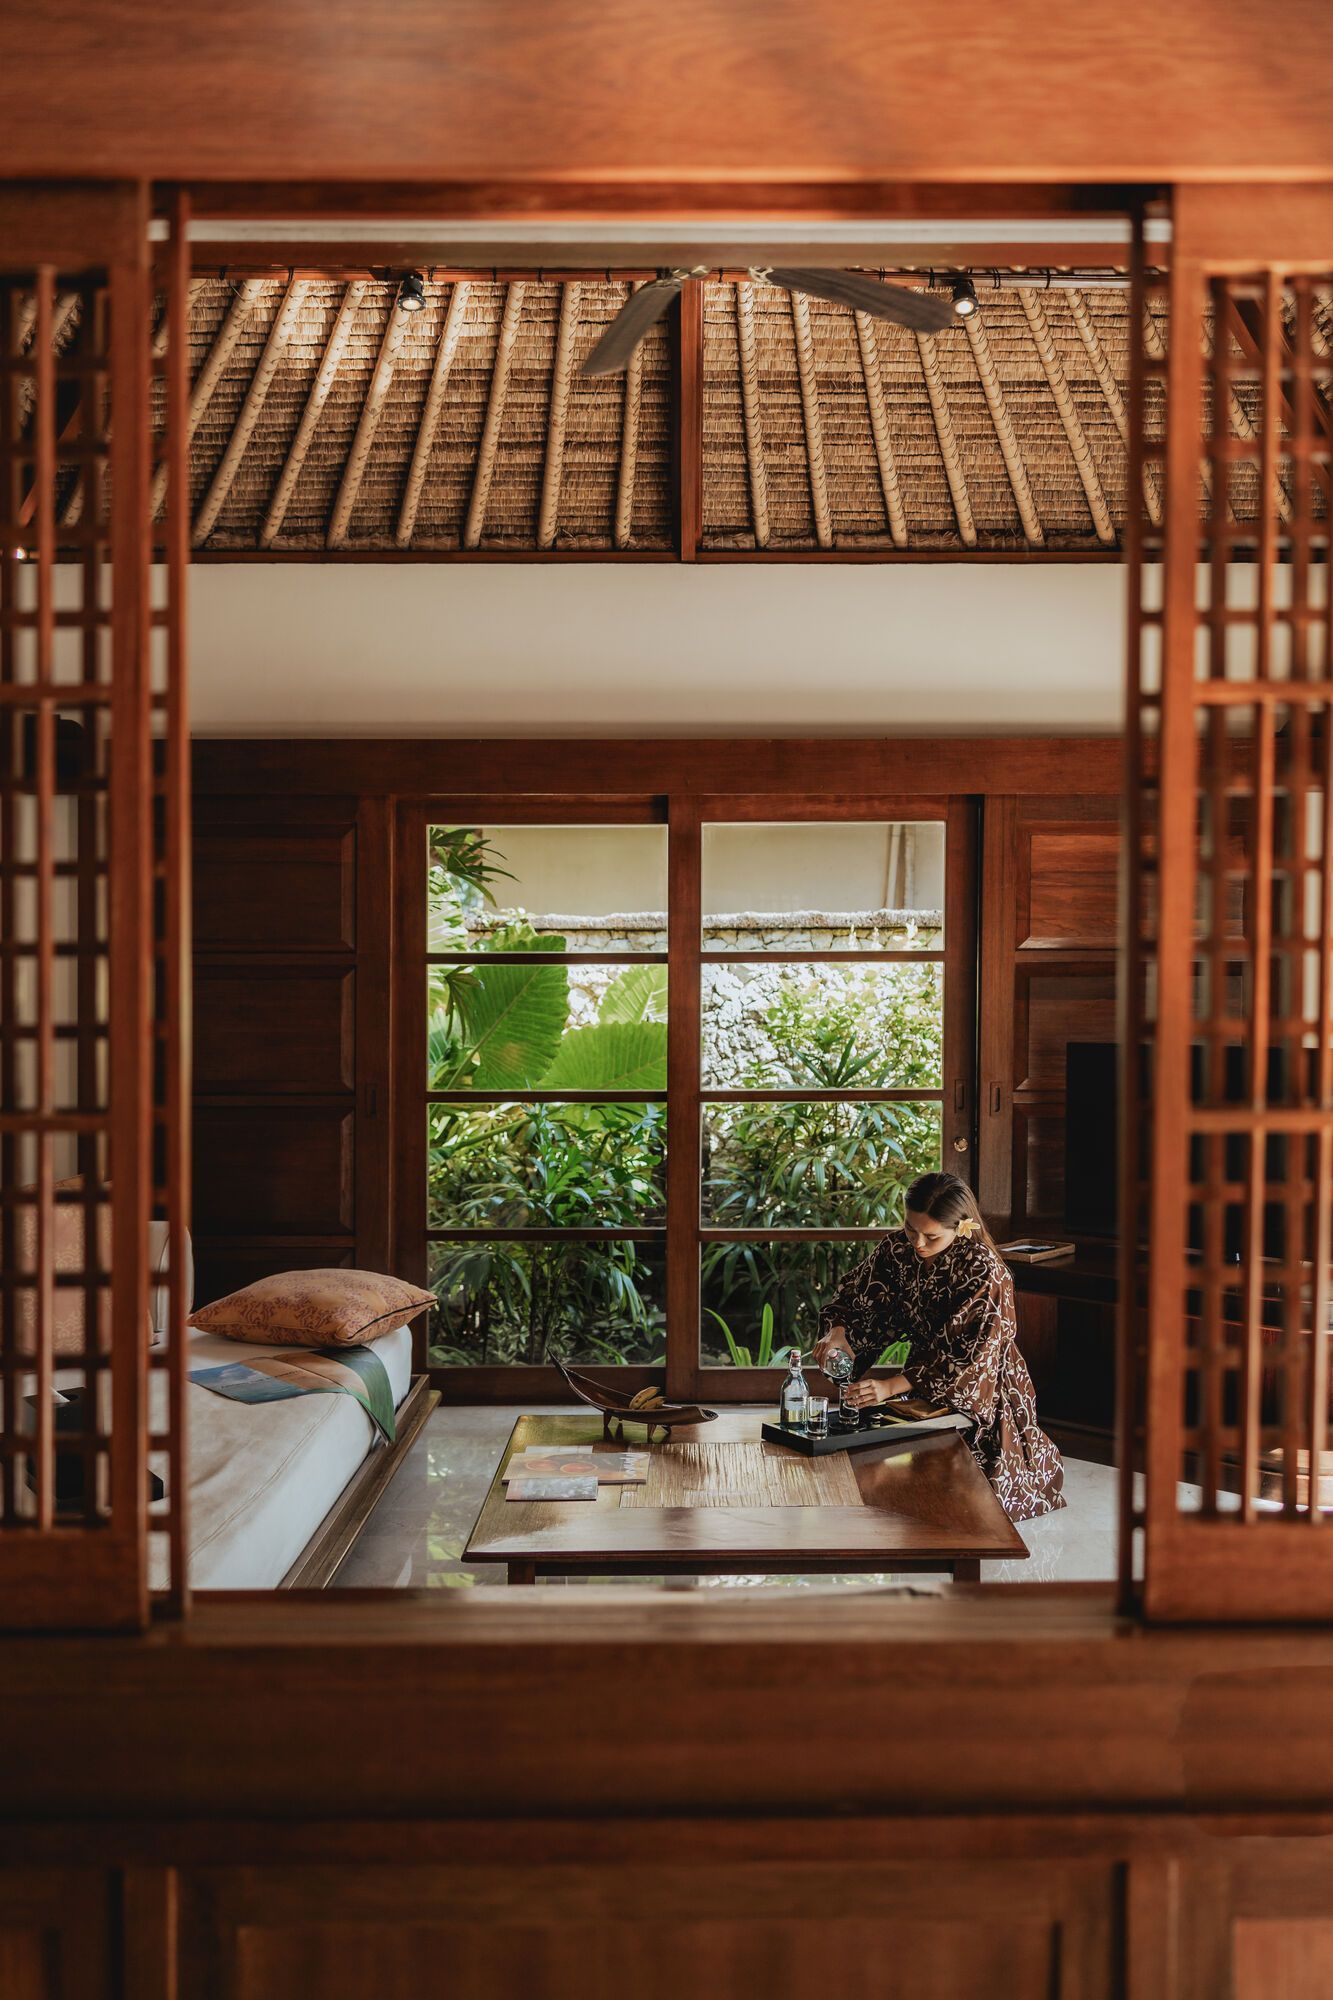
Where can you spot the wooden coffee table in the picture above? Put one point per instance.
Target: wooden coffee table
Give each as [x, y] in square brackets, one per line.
[719, 1501]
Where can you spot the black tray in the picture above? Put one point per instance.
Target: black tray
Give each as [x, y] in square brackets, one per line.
[871, 1432]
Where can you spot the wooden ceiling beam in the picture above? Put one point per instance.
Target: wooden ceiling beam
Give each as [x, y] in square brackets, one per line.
[260, 383]
[751, 415]
[623, 531]
[334, 349]
[520, 201]
[201, 394]
[814, 430]
[488, 449]
[686, 326]
[1010, 449]
[1054, 372]
[367, 424]
[948, 442]
[450, 335]
[889, 484]
[562, 372]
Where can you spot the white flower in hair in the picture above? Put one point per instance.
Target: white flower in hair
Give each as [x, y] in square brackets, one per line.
[967, 1227]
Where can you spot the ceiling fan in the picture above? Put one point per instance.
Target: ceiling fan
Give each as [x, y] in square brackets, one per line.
[924, 312]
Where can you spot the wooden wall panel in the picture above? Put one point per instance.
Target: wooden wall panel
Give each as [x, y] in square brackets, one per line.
[279, 1169]
[274, 887]
[1048, 959]
[292, 1037]
[54, 1938]
[283, 1029]
[714, 1925]
[1067, 883]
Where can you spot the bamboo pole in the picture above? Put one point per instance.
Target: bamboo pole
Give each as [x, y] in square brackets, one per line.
[310, 416]
[260, 383]
[450, 335]
[944, 431]
[495, 405]
[814, 432]
[1053, 369]
[561, 377]
[879, 429]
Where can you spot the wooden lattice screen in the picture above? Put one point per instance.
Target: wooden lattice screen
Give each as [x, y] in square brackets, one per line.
[1228, 1028]
[93, 1257]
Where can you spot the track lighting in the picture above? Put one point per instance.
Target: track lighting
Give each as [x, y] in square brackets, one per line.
[964, 297]
[412, 293]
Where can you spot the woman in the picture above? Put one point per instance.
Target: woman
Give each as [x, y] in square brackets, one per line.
[940, 1283]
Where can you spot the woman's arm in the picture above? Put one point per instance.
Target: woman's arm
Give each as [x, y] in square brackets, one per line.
[856, 1308]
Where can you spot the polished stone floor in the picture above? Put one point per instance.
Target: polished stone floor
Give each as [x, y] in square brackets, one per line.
[416, 1535]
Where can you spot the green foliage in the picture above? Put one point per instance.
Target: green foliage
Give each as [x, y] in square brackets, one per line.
[764, 1355]
[804, 1165]
[612, 1055]
[637, 994]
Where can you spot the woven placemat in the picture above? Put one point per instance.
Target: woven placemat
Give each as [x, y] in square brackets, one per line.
[742, 1475]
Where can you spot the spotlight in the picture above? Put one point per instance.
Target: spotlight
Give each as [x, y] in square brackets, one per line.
[412, 293]
[964, 297]
[20, 553]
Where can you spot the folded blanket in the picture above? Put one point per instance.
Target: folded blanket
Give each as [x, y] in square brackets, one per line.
[307, 1371]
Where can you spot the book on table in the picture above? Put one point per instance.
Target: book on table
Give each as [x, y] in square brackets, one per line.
[550, 1487]
[1032, 1251]
[604, 1468]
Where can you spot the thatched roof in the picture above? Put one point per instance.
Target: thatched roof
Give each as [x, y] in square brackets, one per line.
[326, 419]
[856, 437]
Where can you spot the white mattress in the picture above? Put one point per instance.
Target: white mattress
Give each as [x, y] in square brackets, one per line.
[264, 1475]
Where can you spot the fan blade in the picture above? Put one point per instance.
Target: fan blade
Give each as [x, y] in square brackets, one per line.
[640, 312]
[924, 312]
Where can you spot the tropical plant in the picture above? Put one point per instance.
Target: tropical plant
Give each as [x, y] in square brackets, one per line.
[811, 1164]
[763, 1356]
[549, 1165]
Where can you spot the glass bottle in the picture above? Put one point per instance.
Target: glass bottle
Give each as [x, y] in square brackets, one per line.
[791, 1404]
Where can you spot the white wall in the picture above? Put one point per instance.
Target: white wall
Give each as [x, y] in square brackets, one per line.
[598, 871]
[578, 649]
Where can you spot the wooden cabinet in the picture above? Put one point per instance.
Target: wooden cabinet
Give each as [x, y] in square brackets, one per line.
[55, 1939]
[717, 1916]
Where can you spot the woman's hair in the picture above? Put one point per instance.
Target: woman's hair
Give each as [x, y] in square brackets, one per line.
[945, 1198]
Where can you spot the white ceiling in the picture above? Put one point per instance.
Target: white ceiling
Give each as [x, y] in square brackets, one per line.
[576, 649]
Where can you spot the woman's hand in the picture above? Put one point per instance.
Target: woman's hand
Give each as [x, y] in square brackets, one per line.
[835, 1337]
[864, 1395]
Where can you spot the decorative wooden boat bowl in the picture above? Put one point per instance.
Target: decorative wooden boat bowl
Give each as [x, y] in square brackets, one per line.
[614, 1405]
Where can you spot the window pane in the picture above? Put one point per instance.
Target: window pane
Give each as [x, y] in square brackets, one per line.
[871, 885]
[823, 1027]
[546, 1166]
[546, 1027]
[812, 1166]
[739, 1279]
[526, 1302]
[552, 888]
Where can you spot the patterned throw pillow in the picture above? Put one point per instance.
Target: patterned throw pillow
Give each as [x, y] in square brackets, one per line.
[314, 1309]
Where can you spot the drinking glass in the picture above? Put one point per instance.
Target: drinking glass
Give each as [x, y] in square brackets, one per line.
[840, 1366]
[816, 1416]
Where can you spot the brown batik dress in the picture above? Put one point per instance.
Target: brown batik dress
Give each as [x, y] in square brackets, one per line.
[957, 1310]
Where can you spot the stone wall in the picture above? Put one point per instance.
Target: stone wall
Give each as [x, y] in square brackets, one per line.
[735, 998]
